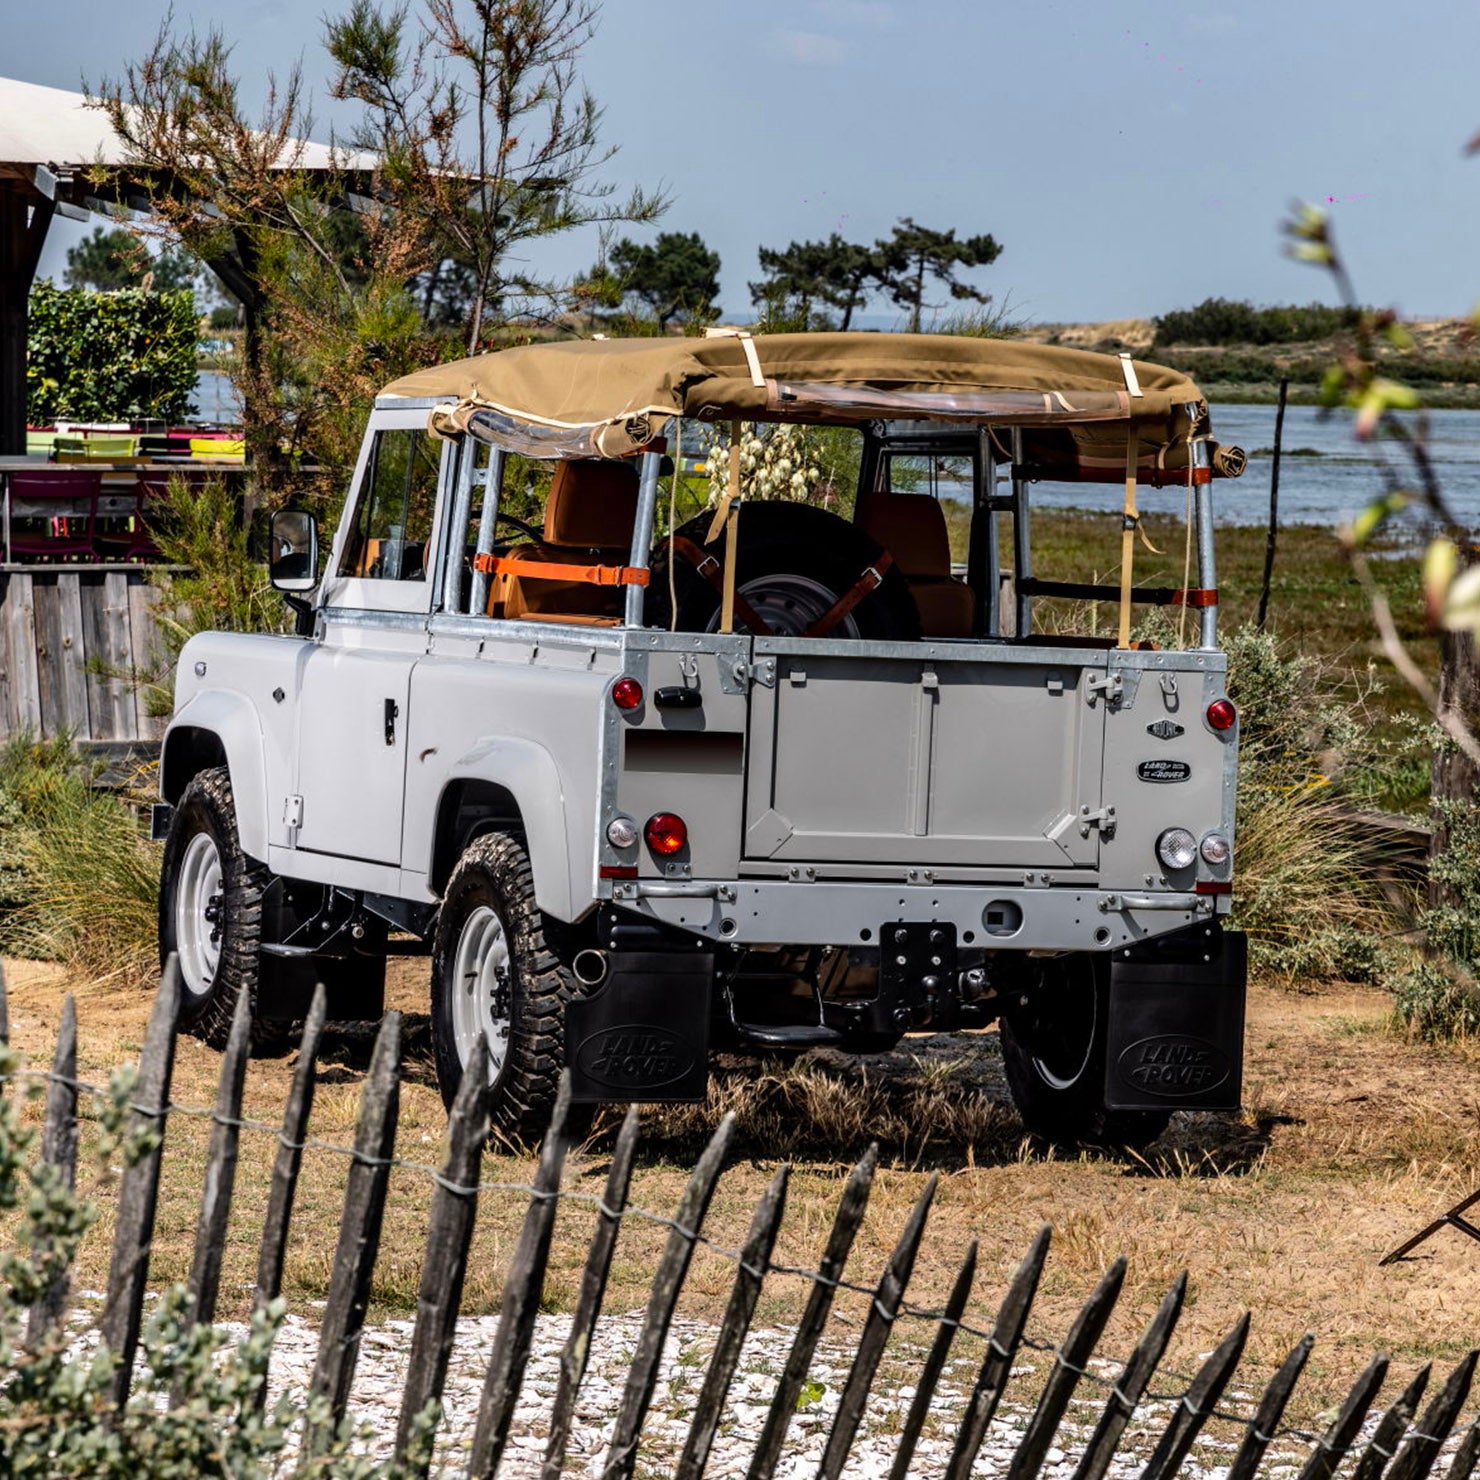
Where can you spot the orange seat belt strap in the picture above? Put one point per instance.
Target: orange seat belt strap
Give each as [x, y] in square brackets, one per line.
[549, 570]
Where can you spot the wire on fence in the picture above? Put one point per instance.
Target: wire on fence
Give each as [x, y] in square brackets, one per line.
[768, 1266]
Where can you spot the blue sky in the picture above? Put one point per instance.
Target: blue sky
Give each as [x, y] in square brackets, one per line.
[1131, 157]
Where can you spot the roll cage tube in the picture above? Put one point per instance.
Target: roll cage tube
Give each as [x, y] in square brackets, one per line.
[642, 529]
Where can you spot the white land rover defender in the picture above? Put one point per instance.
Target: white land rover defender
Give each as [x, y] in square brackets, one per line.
[773, 776]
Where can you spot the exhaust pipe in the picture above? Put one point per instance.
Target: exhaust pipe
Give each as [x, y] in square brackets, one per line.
[590, 967]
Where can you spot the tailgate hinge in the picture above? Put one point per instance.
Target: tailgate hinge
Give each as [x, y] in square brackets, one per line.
[1102, 818]
[1111, 685]
[763, 671]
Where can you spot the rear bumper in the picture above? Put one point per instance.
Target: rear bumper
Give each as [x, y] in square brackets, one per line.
[991, 916]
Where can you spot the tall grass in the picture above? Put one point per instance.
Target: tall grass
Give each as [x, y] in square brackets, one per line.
[78, 879]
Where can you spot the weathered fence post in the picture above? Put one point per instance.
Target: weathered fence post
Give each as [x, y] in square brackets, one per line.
[1332, 1446]
[449, 1235]
[621, 1456]
[888, 1297]
[1271, 1409]
[1417, 1456]
[814, 1318]
[577, 1350]
[58, 1151]
[996, 1368]
[754, 1258]
[359, 1229]
[289, 1157]
[521, 1301]
[1197, 1404]
[935, 1361]
[1391, 1427]
[138, 1192]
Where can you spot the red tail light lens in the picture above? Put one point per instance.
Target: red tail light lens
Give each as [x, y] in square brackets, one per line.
[1222, 715]
[627, 693]
[666, 833]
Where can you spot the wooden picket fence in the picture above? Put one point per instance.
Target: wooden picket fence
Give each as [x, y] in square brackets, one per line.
[1390, 1445]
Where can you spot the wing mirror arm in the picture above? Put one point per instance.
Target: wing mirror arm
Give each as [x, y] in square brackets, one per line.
[293, 563]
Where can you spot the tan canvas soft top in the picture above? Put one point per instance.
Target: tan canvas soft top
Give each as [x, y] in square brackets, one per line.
[606, 398]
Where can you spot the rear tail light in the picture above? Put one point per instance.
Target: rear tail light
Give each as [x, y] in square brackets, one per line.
[627, 693]
[1222, 715]
[666, 833]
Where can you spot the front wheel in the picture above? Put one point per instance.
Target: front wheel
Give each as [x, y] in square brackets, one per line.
[210, 911]
[494, 972]
[1053, 1049]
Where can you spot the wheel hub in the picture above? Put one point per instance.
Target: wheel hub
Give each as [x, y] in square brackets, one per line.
[200, 903]
[483, 988]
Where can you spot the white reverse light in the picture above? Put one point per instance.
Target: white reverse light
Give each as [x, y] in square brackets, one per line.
[1176, 848]
[621, 832]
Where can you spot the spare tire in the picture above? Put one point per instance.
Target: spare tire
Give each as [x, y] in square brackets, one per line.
[795, 563]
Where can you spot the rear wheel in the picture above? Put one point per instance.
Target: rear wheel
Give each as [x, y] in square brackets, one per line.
[1053, 1049]
[494, 972]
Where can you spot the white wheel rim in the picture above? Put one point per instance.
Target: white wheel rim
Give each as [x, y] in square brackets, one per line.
[482, 988]
[788, 604]
[199, 900]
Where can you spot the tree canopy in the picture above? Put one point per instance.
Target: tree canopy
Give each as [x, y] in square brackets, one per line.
[676, 276]
[914, 253]
[112, 258]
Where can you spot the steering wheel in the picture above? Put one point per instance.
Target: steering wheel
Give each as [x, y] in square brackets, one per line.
[526, 529]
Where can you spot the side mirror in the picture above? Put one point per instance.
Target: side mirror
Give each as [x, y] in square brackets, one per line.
[293, 564]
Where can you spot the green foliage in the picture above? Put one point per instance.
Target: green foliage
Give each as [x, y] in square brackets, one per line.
[915, 253]
[215, 586]
[107, 356]
[111, 259]
[1232, 321]
[1437, 996]
[676, 276]
[194, 1407]
[1304, 887]
[78, 880]
[806, 278]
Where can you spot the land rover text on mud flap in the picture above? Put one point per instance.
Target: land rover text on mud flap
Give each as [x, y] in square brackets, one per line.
[648, 772]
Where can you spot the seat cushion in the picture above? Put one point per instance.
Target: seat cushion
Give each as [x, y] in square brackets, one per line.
[912, 527]
[592, 504]
[947, 608]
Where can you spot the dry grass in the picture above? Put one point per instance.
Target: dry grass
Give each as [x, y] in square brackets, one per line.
[1350, 1141]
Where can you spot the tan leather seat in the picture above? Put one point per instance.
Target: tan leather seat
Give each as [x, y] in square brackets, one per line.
[912, 527]
[589, 518]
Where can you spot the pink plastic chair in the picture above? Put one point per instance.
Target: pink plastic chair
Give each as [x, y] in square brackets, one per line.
[54, 513]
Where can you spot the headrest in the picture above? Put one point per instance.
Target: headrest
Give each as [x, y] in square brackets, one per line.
[911, 526]
[593, 504]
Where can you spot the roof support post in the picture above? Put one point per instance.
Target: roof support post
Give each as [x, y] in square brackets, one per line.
[1207, 573]
[25, 215]
[642, 530]
[1022, 545]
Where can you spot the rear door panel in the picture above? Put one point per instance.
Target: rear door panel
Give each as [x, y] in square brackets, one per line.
[929, 760]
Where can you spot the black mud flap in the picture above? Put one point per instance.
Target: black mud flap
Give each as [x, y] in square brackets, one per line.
[1176, 1022]
[644, 1035]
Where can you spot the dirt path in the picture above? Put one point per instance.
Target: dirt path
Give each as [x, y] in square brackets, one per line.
[1351, 1140]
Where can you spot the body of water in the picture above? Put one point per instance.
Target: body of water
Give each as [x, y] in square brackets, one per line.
[1325, 489]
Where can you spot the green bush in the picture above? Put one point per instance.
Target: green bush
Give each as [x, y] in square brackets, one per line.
[1437, 996]
[109, 356]
[1231, 321]
[78, 880]
[1304, 887]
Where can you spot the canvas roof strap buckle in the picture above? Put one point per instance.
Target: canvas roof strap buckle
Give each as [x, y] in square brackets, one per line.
[551, 570]
[747, 344]
[710, 568]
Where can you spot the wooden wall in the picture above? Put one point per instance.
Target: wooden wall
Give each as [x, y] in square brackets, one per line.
[70, 636]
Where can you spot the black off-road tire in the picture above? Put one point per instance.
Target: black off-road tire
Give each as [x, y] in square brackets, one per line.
[494, 873]
[1053, 1049]
[206, 807]
[784, 539]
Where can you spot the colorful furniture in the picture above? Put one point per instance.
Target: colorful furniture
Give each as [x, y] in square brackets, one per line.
[52, 514]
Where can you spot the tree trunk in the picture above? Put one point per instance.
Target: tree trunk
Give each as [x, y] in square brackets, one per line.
[1455, 777]
[919, 297]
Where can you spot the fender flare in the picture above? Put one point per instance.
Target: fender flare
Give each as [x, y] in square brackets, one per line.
[528, 772]
[233, 722]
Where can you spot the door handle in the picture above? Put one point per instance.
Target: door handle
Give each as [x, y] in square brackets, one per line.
[392, 710]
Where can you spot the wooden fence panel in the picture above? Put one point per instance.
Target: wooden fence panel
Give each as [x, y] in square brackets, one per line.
[1395, 1447]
